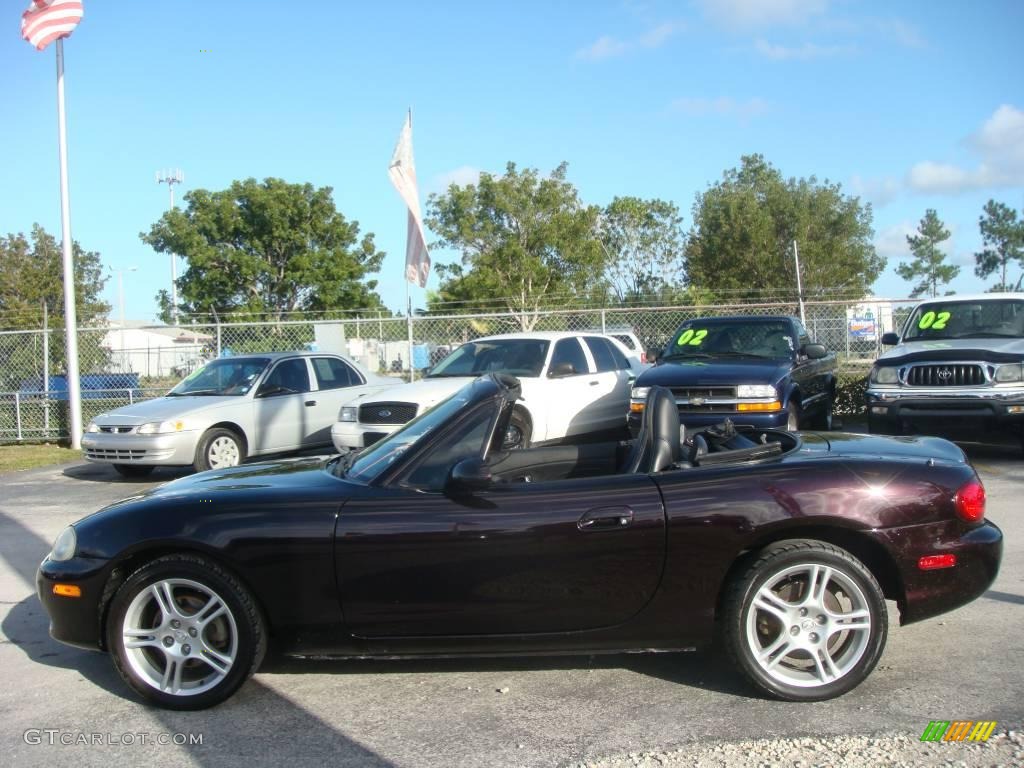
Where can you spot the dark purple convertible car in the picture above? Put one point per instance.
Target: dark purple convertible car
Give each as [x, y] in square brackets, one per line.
[780, 546]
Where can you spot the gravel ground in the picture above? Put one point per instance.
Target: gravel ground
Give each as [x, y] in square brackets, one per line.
[901, 751]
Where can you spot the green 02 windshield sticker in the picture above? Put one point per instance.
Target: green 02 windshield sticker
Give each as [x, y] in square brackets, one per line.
[691, 336]
[935, 321]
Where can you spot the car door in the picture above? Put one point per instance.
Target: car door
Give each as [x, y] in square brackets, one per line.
[809, 374]
[280, 407]
[335, 381]
[519, 558]
[571, 386]
[615, 382]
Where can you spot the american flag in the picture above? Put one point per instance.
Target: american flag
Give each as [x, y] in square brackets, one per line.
[46, 20]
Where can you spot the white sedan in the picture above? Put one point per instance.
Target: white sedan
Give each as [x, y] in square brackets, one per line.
[572, 384]
[230, 409]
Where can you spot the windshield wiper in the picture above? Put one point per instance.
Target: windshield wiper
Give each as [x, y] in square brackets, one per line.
[686, 356]
[199, 392]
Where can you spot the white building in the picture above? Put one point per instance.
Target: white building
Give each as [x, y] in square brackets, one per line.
[157, 350]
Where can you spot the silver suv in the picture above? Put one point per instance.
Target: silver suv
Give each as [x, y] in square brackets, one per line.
[957, 367]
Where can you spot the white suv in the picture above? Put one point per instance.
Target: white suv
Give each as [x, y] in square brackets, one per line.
[572, 384]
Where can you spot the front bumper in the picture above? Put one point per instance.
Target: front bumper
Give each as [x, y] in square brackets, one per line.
[177, 449]
[976, 408]
[352, 436]
[699, 419]
[928, 593]
[74, 620]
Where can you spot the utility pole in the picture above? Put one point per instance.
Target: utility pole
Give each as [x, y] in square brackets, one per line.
[170, 178]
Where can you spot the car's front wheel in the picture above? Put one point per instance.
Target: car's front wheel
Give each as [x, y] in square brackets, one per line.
[184, 633]
[219, 448]
[519, 432]
[806, 621]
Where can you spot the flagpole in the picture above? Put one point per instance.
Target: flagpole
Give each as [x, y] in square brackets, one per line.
[70, 322]
[408, 298]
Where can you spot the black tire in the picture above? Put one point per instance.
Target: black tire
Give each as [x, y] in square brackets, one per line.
[792, 672]
[133, 470]
[519, 432]
[239, 633]
[211, 442]
[825, 416]
[793, 416]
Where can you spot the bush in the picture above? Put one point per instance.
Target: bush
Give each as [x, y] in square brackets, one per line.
[851, 384]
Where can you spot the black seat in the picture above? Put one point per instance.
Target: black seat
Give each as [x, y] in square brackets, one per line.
[657, 447]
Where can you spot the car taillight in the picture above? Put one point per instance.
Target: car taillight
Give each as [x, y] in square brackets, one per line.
[643, 357]
[970, 502]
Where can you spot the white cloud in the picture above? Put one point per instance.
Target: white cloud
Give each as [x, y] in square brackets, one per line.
[606, 47]
[463, 175]
[762, 13]
[891, 242]
[879, 192]
[801, 52]
[723, 105]
[999, 145]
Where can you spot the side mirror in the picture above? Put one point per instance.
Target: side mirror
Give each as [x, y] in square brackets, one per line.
[560, 370]
[815, 351]
[653, 355]
[890, 338]
[469, 475]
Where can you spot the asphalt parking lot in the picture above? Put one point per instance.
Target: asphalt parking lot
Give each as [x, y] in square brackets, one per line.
[530, 712]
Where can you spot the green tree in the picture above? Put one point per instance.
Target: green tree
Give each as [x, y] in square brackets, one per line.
[1004, 236]
[644, 242]
[527, 243]
[266, 248]
[928, 265]
[741, 241]
[31, 275]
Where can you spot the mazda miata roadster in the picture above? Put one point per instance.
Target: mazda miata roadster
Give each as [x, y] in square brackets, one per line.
[780, 547]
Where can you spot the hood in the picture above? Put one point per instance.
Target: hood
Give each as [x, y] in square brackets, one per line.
[881, 446]
[292, 476]
[713, 371]
[994, 348]
[163, 408]
[425, 392]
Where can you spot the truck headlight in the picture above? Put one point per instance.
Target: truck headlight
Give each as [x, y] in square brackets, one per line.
[755, 390]
[884, 374]
[638, 399]
[348, 413]
[1009, 373]
[162, 427]
[64, 545]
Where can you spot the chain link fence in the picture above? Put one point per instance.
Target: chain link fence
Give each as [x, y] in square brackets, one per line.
[124, 365]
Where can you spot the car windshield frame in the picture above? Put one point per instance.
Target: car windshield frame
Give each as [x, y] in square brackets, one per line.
[692, 348]
[367, 466]
[940, 320]
[481, 358]
[208, 380]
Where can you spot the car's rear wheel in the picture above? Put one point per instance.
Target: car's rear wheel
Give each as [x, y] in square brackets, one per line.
[184, 633]
[806, 621]
[219, 448]
[133, 470]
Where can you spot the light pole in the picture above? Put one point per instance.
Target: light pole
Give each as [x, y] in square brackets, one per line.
[120, 304]
[170, 178]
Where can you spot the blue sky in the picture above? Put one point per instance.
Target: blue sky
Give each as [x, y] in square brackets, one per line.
[909, 105]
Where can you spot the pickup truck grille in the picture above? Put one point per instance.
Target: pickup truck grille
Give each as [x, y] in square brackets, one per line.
[951, 375]
[695, 399]
[386, 413]
[692, 392]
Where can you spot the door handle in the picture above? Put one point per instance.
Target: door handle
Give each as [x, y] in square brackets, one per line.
[606, 519]
[594, 383]
[310, 403]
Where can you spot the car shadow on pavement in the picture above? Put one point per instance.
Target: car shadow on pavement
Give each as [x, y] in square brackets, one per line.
[104, 473]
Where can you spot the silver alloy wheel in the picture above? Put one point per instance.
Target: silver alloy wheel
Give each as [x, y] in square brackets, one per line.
[808, 625]
[223, 452]
[180, 637]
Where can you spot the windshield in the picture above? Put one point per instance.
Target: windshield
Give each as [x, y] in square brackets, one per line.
[966, 320]
[368, 463]
[227, 376]
[742, 338]
[517, 357]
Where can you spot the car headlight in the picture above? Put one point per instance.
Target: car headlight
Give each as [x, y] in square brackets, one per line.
[162, 427]
[93, 427]
[348, 413]
[755, 390]
[64, 545]
[1008, 373]
[884, 374]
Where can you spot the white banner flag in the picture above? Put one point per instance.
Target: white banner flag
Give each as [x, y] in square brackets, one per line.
[403, 175]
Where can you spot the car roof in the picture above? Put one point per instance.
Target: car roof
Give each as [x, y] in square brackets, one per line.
[740, 318]
[539, 335]
[279, 355]
[973, 297]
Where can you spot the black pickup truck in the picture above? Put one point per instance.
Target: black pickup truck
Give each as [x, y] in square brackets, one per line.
[761, 371]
